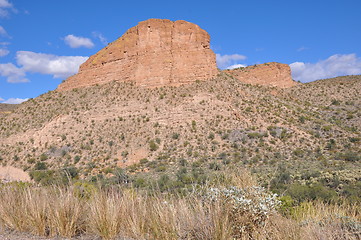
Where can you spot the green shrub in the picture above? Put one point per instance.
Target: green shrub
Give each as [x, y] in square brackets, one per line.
[40, 166]
[76, 159]
[43, 157]
[315, 192]
[143, 161]
[348, 156]
[175, 136]
[44, 177]
[354, 139]
[153, 146]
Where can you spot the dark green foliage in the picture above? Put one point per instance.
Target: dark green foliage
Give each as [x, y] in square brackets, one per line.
[143, 161]
[214, 166]
[335, 102]
[164, 182]
[44, 177]
[175, 136]
[70, 172]
[40, 166]
[315, 192]
[211, 136]
[352, 192]
[139, 182]
[153, 146]
[43, 157]
[354, 139]
[298, 152]
[183, 162]
[302, 119]
[76, 159]
[120, 176]
[349, 156]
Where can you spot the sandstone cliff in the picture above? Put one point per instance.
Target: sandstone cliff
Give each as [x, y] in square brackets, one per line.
[154, 53]
[267, 74]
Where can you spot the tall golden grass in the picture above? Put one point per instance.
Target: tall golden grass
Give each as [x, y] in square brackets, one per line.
[129, 213]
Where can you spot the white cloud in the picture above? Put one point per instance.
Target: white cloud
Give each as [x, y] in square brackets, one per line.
[15, 100]
[3, 32]
[58, 66]
[302, 49]
[101, 38]
[224, 61]
[5, 5]
[76, 42]
[336, 65]
[13, 73]
[1, 99]
[3, 52]
[236, 66]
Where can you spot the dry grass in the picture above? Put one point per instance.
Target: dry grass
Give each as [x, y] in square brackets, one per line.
[130, 214]
[318, 211]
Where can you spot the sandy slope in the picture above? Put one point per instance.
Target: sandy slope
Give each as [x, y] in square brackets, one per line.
[9, 173]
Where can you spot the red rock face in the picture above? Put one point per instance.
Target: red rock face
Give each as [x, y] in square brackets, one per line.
[267, 74]
[154, 53]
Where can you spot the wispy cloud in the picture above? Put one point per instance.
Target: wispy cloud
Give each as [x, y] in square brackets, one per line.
[1, 99]
[101, 38]
[225, 61]
[4, 52]
[3, 32]
[14, 100]
[301, 49]
[77, 42]
[336, 65]
[5, 7]
[58, 66]
[13, 73]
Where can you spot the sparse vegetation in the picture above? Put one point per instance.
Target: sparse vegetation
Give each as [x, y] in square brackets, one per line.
[173, 145]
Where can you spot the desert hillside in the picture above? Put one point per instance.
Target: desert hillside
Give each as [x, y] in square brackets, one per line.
[220, 121]
[7, 108]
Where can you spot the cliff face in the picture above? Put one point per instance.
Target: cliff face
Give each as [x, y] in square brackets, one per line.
[268, 74]
[154, 53]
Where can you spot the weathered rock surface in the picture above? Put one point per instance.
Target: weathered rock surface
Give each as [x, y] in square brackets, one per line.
[154, 53]
[267, 74]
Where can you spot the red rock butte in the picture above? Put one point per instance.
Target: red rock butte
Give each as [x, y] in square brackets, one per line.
[268, 74]
[156, 52]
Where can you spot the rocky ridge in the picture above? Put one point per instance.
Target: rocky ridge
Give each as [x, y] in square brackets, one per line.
[268, 74]
[156, 52]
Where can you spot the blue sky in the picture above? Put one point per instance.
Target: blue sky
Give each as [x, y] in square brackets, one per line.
[42, 41]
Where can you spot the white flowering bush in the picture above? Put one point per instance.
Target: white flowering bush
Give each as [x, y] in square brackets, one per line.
[248, 208]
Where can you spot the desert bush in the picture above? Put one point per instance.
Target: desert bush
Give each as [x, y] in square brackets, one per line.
[349, 156]
[153, 146]
[315, 192]
[40, 166]
[248, 208]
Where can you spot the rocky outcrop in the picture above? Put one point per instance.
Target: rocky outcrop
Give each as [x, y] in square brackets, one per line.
[154, 53]
[267, 74]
